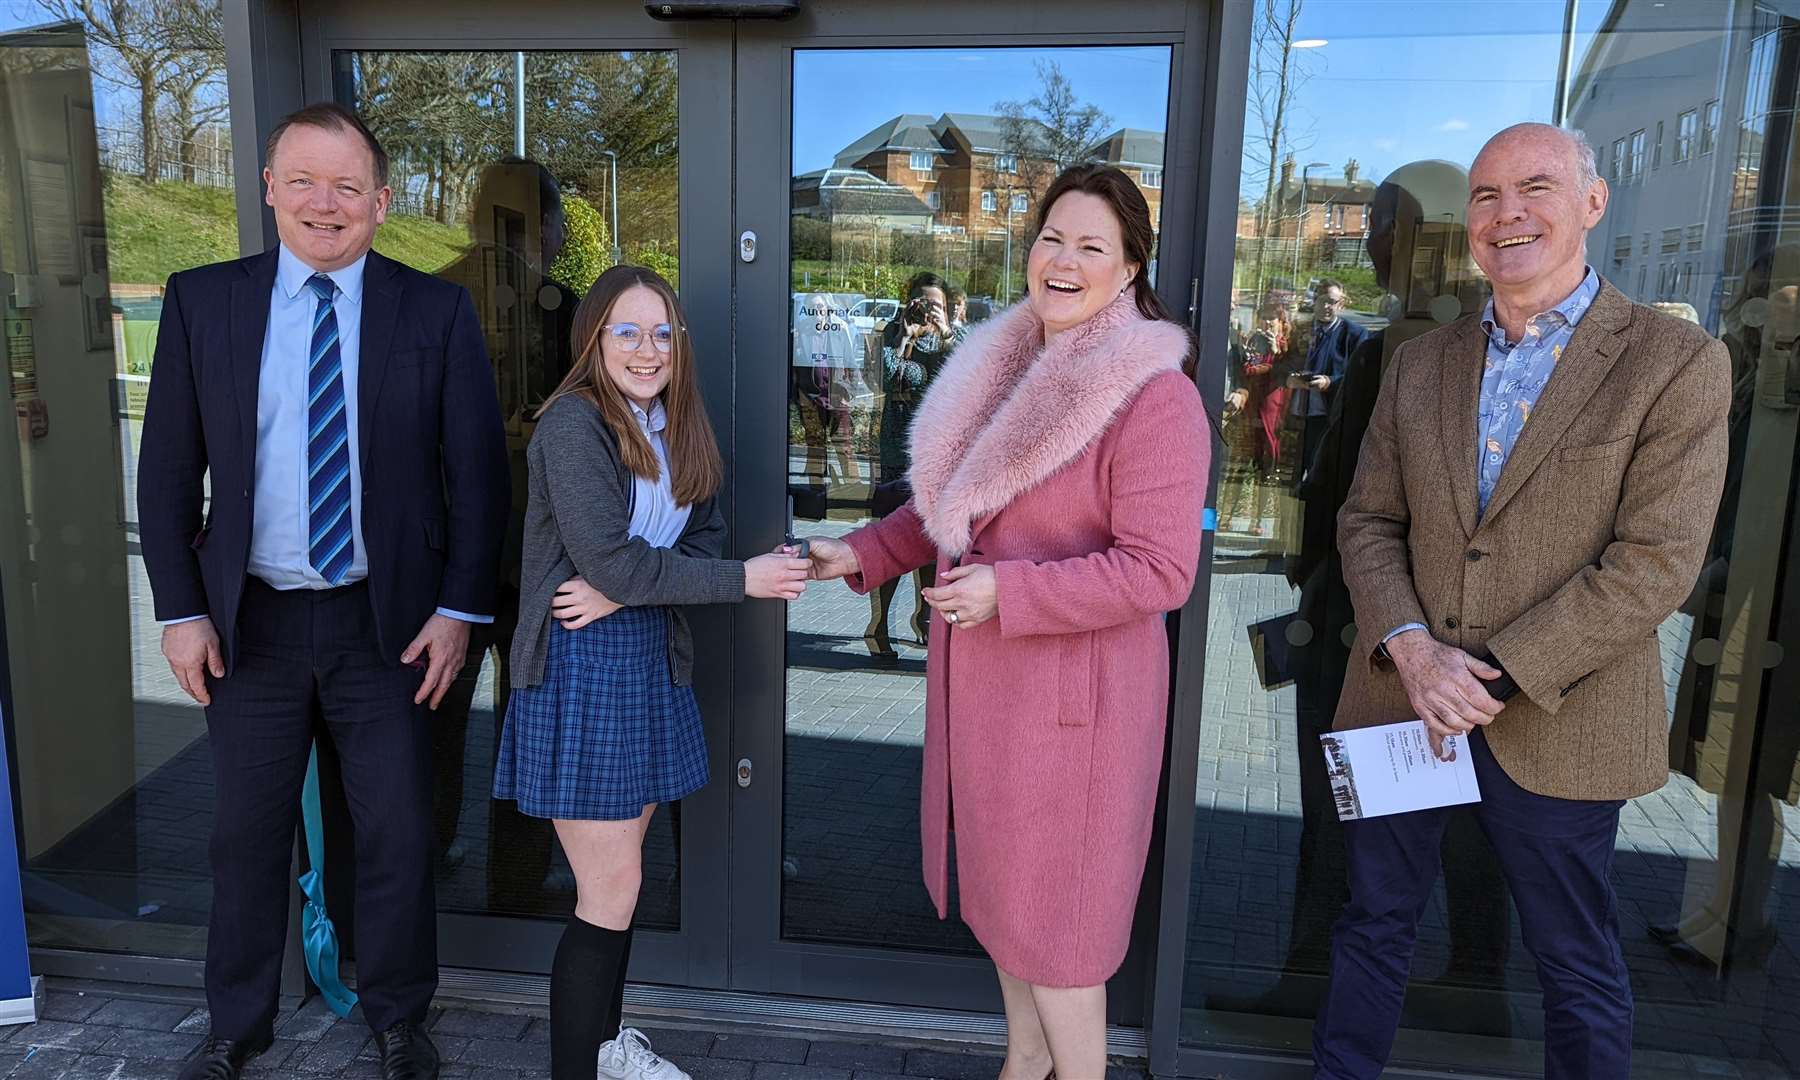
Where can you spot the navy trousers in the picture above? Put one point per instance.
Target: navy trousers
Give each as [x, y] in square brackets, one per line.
[308, 663]
[1557, 857]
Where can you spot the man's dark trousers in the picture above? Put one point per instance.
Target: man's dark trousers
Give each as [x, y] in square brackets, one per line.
[308, 663]
[1557, 857]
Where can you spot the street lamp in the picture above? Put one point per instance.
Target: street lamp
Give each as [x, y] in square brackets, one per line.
[613, 180]
[1009, 235]
[1300, 219]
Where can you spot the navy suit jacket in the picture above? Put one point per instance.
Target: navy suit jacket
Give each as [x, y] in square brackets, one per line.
[435, 492]
[1329, 355]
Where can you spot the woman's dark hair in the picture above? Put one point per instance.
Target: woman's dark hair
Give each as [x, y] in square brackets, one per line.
[925, 279]
[1133, 214]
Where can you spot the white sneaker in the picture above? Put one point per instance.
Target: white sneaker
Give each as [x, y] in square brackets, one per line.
[629, 1057]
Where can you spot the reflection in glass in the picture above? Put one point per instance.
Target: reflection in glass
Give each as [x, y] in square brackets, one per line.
[96, 211]
[526, 229]
[909, 227]
[1708, 868]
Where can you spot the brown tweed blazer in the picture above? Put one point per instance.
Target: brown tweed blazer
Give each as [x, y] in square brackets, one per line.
[1593, 536]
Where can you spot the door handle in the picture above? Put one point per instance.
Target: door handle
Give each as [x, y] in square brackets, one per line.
[744, 771]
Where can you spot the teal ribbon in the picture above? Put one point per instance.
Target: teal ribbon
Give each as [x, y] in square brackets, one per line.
[318, 938]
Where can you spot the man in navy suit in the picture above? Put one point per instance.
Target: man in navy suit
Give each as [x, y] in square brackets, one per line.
[1334, 338]
[343, 408]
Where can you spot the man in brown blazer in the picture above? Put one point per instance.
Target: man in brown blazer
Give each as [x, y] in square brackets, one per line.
[1533, 498]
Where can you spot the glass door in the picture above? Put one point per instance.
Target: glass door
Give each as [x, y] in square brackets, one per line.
[521, 169]
[892, 193]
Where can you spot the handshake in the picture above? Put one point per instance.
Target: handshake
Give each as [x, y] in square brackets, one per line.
[782, 574]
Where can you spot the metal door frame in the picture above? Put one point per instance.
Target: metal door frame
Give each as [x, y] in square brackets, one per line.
[694, 955]
[761, 960]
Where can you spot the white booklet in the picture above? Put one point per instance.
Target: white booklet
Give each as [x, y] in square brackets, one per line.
[1391, 770]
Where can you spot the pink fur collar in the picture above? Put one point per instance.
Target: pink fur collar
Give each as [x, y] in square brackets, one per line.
[1007, 412]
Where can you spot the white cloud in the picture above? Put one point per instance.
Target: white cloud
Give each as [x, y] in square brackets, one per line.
[1454, 125]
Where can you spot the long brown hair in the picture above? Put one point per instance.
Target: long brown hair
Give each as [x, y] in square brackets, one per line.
[696, 471]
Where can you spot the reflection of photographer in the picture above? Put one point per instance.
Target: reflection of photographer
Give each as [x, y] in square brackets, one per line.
[913, 350]
[925, 316]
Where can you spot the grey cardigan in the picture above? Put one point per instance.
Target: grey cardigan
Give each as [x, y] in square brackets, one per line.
[576, 522]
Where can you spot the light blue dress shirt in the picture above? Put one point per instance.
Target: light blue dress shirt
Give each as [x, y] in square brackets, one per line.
[278, 541]
[1513, 376]
[654, 515]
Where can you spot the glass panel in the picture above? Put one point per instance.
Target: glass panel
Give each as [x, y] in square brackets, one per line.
[1708, 868]
[526, 229]
[875, 254]
[108, 184]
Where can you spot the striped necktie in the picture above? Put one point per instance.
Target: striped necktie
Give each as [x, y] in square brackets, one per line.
[329, 547]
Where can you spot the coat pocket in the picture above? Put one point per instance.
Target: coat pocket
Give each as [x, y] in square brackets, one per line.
[1076, 681]
[1599, 451]
[434, 534]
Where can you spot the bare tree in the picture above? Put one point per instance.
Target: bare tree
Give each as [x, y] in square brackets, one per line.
[1050, 131]
[155, 47]
[1277, 71]
[196, 34]
[1043, 135]
[130, 30]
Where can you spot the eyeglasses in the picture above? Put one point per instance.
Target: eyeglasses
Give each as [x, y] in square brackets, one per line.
[630, 335]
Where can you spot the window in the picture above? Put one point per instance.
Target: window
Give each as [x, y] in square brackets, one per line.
[1152, 178]
[988, 202]
[932, 200]
[1018, 202]
[1006, 163]
[108, 757]
[1640, 69]
[921, 161]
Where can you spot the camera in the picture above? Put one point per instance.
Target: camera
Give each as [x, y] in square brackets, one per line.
[919, 311]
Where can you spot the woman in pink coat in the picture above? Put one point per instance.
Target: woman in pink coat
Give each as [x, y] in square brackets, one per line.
[1059, 468]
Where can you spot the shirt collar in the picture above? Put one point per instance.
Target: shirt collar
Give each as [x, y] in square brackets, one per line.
[291, 276]
[1570, 311]
[652, 422]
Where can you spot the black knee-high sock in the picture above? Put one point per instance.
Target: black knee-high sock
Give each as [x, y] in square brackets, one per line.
[589, 960]
[618, 989]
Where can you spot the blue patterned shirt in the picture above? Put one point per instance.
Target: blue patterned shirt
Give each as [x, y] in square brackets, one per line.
[1515, 374]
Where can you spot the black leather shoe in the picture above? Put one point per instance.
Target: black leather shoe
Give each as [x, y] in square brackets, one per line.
[221, 1059]
[407, 1053]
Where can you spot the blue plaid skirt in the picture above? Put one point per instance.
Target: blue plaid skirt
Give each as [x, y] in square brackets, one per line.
[607, 732]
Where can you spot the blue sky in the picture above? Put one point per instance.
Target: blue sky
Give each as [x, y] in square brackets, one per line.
[1128, 84]
[1398, 80]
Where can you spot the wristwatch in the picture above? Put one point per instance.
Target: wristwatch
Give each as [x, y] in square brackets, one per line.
[1505, 686]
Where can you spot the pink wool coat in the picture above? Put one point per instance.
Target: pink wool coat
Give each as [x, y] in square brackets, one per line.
[1078, 471]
